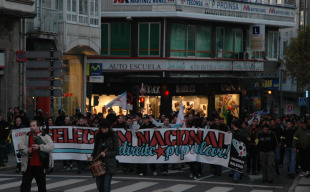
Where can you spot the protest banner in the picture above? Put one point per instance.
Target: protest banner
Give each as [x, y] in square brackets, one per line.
[150, 145]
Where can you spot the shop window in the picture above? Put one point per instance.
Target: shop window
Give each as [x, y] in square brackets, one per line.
[72, 10]
[72, 85]
[190, 41]
[227, 104]
[149, 39]
[115, 39]
[273, 45]
[197, 103]
[229, 42]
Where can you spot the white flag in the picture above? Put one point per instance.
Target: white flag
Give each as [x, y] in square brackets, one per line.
[180, 120]
[119, 101]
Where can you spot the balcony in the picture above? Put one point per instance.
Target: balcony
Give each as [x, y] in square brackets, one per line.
[45, 22]
[248, 12]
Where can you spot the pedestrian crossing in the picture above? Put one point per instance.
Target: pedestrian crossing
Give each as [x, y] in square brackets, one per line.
[86, 184]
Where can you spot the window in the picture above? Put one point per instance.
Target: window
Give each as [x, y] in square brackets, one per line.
[94, 12]
[2, 63]
[203, 41]
[60, 9]
[149, 39]
[229, 42]
[190, 41]
[273, 45]
[83, 11]
[178, 40]
[115, 39]
[72, 10]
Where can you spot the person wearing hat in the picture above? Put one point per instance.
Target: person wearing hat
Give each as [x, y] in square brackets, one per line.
[267, 144]
[106, 147]
[301, 144]
[142, 168]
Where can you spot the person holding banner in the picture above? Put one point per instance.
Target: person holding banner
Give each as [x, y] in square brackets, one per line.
[106, 147]
[37, 148]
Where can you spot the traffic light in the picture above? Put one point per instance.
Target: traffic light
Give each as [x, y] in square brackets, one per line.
[269, 92]
[141, 99]
[166, 93]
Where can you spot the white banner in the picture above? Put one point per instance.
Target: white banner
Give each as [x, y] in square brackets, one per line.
[149, 145]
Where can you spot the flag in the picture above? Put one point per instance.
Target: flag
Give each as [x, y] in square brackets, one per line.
[180, 119]
[119, 101]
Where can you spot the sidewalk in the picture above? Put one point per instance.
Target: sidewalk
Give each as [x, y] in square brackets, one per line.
[301, 184]
[11, 164]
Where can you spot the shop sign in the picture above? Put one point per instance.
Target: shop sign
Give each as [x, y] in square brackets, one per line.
[96, 79]
[257, 37]
[95, 69]
[148, 89]
[185, 89]
[194, 3]
[271, 83]
[143, 2]
[251, 8]
[177, 65]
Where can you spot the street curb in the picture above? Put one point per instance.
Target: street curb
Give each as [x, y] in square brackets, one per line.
[7, 168]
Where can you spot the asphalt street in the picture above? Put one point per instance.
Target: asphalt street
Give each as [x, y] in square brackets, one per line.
[175, 181]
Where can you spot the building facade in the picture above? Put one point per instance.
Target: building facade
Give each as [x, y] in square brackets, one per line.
[215, 56]
[12, 24]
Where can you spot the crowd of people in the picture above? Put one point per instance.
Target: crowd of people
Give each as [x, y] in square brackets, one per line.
[269, 141]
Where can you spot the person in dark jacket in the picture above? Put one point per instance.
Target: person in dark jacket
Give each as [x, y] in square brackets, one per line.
[238, 135]
[288, 145]
[301, 143]
[106, 147]
[120, 122]
[267, 144]
[60, 120]
[279, 134]
[142, 168]
[4, 133]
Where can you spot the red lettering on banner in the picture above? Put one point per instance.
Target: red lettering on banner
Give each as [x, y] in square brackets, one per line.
[85, 136]
[157, 139]
[56, 136]
[123, 138]
[195, 137]
[168, 139]
[66, 135]
[143, 137]
[211, 139]
[91, 132]
[76, 135]
[221, 140]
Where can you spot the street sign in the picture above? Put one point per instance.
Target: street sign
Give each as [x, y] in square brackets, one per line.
[96, 79]
[31, 64]
[42, 73]
[43, 93]
[43, 54]
[303, 101]
[43, 83]
[20, 56]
